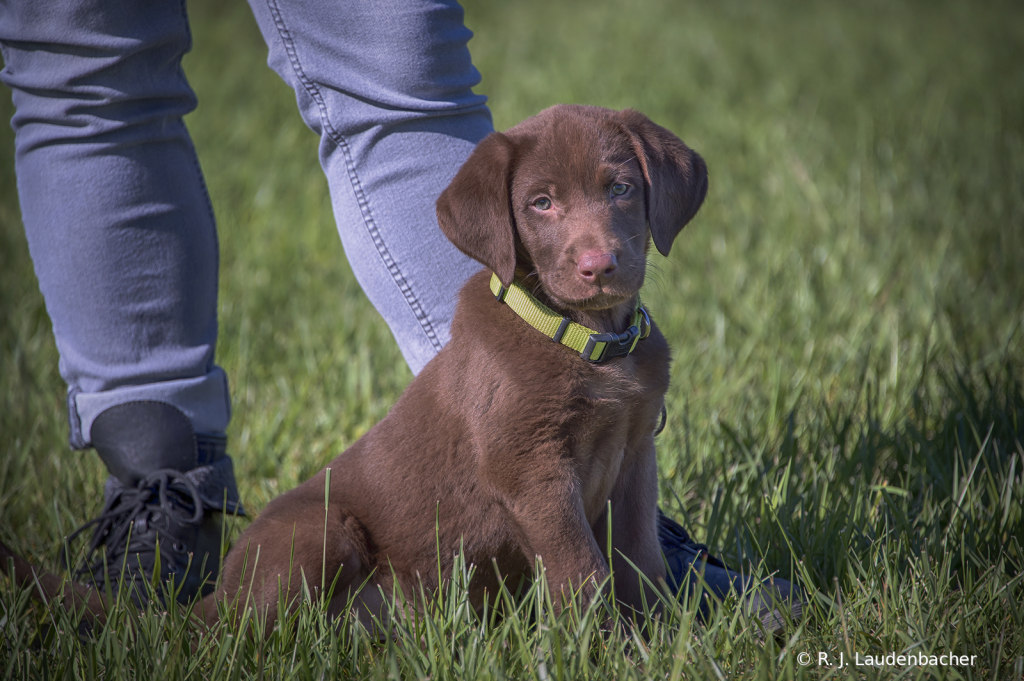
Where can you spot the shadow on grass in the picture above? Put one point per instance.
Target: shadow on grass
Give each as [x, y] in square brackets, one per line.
[947, 480]
[907, 535]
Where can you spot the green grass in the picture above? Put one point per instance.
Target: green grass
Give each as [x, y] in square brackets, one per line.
[846, 315]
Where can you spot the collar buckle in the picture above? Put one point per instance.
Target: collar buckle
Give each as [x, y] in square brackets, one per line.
[604, 346]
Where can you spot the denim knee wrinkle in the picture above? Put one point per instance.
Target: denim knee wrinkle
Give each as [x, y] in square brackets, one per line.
[119, 223]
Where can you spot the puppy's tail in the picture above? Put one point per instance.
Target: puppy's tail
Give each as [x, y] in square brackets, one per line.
[48, 586]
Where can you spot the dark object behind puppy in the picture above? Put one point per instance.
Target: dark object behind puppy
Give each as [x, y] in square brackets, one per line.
[507, 445]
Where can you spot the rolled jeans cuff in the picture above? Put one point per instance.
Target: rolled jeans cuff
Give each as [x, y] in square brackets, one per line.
[205, 400]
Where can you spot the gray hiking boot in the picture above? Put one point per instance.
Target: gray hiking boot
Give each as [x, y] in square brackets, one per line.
[167, 490]
[689, 562]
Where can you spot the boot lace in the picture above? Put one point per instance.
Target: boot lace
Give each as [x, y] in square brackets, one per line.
[160, 500]
[673, 538]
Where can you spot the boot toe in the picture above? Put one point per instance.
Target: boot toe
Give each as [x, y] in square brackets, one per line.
[772, 601]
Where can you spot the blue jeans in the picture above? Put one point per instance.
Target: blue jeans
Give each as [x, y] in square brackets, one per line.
[118, 219]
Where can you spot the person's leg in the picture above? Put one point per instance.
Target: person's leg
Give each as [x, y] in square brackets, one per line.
[388, 87]
[118, 221]
[122, 236]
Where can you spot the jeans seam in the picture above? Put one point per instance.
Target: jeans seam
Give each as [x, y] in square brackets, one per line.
[364, 205]
[194, 155]
[201, 180]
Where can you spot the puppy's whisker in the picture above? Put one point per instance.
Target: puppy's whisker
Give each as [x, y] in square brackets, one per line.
[628, 160]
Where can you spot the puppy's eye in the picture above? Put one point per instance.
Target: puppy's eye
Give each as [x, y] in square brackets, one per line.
[543, 203]
[619, 188]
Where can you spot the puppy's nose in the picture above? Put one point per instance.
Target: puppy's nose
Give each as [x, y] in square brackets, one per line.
[596, 267]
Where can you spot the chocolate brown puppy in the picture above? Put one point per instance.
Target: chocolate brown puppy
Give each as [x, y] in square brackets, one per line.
[509, 445]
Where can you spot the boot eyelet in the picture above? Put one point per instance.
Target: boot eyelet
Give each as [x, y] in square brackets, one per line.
[179, 547]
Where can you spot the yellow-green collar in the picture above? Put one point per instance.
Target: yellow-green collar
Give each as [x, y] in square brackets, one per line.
[592, 346]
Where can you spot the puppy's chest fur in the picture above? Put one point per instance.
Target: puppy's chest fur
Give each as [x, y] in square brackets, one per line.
[610, 428]
[548, 412]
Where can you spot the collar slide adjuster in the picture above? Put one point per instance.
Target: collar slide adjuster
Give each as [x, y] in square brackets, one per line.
[605, 346]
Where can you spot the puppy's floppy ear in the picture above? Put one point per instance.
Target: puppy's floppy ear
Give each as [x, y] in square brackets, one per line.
[675, 177]
[475, 211]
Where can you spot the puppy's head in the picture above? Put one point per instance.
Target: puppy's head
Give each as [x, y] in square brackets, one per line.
[570, 196]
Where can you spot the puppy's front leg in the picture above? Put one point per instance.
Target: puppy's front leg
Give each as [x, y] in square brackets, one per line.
[634, 510]
[553, 527]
